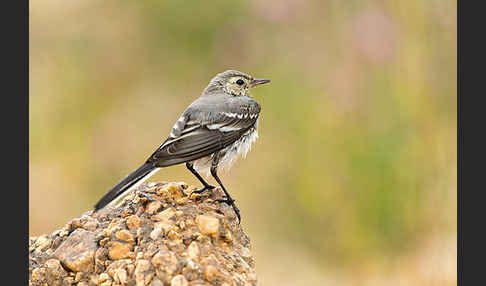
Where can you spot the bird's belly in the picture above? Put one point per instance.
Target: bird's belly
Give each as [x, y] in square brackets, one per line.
[229, 154]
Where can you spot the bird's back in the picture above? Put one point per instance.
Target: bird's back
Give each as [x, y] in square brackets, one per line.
[208, 125]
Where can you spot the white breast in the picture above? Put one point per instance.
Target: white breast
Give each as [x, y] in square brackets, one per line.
[240, 147]
[229, 154]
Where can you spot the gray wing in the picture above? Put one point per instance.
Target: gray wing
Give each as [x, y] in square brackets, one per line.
[199, 133]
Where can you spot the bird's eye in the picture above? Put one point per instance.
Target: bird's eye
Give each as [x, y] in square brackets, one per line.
[240, 82]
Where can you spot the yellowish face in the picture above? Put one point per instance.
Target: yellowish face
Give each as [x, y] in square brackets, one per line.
[237, 85]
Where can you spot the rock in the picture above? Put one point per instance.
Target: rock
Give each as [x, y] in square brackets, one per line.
[106, 283]
[118, 250]
[55, 272]
[133, 222]
[38, 276]
[179, 280]
[164, 219]
[247, 257]
[103, 278]
[79, 276]
[173, 235]
[67, 281]
[121, 276]
[101, 253]
[164, 215]
[156, 282]
[77, 251]
[156, 233]
[174, 191]
[143, 276]
[210, 273]
[175, 239]
[115, 268]
[42, 243]
[153, 207]
[112, 227]
[193, 250]
[125, 235]
[208, 225]
[166, 261]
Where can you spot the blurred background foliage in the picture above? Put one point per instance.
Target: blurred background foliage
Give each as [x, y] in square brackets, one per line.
[353, 179]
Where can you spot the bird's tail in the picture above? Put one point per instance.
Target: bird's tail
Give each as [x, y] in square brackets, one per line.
[134, 179]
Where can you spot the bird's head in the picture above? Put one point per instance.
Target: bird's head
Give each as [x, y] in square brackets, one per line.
[233, 82]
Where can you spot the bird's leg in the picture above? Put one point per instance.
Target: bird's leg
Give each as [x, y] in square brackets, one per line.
[206, 187]
[228, 199]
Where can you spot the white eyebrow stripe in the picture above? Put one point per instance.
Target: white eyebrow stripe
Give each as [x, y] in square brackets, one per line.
[181, 119]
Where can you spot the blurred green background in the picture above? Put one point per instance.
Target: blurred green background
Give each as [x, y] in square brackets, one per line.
[353, 178]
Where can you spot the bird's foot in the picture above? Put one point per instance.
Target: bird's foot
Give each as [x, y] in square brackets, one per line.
[229, 201]
[203, 189]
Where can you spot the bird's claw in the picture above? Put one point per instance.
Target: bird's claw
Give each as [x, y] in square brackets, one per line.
[203, 189]
[231, 202]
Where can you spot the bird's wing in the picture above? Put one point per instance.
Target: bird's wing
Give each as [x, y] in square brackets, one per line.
[199, 134]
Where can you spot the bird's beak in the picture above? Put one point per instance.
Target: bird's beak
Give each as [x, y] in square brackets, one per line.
[258, 81]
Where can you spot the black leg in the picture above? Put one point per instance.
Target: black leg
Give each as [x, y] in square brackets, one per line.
[206, 185]
[228, 199]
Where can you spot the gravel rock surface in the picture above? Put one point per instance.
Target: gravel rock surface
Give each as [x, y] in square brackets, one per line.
[158, 235]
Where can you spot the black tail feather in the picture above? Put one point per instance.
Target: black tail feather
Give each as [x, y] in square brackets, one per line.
[124, 185]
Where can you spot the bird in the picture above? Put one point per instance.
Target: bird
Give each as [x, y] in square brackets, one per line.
[210, 134]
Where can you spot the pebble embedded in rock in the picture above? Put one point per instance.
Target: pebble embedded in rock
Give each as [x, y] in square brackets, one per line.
[142, 274]
[208, 225]
[121, 275]
[38, 275]
[101, 253]
[67, 281]
[125, 235]
[89, 223]
[118, 250]
[193, 250]
[106, 283]
[210, 273]
[179, 280]
[104, 277]
[55, 272]
[153, 206]
[112, 227]
[176, 190]
[164, 215]
[173, 235]
[42, 243]
[156, 233]
[133, 222]
[166, 261]
[77, 251]
[156, 282]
